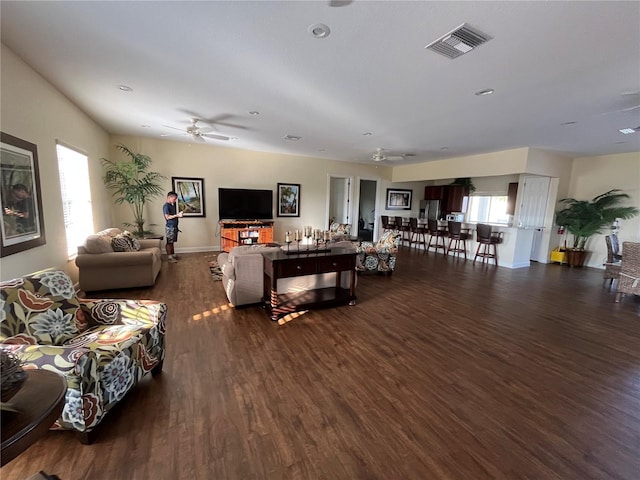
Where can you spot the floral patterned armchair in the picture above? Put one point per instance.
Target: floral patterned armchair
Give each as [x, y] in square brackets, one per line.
[339, 231]
[102, 347]
[379, 257]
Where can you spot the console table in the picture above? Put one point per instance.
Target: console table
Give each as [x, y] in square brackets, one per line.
[39, 403]
[279, 265]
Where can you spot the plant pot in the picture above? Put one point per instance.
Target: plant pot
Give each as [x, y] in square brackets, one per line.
[576, 257]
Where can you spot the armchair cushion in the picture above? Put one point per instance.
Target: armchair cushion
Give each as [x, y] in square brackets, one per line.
[41, 308]
[104, 349]
[380, 257]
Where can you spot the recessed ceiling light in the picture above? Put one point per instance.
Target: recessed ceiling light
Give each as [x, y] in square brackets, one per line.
[319, 30]
[254, 112]
[322, 150]
[292, 138]
[145, 126]
[444, 148]
[367, 134]
[487, 91]
[125, 88]
[619, 143]
[568, 123]
[627, 131]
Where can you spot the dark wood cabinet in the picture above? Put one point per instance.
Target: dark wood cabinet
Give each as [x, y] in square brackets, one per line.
[456, 198]
[434, 192]
[512, 193]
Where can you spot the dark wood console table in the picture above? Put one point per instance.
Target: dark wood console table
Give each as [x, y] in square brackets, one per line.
[39, 403]
[279, 265]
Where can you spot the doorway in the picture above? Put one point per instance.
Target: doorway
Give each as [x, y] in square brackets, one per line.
[340, 203]
[367, 209]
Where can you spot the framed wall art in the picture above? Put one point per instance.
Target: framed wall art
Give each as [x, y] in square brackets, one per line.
[22, 219]
[399, 199]
[190, 196]
[288, 199]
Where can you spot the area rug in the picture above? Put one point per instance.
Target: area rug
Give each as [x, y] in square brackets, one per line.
[216, 271]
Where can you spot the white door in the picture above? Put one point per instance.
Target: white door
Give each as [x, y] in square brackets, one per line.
[535, 196]
[533, 203]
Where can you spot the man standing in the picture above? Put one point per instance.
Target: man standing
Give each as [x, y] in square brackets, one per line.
[171, 228]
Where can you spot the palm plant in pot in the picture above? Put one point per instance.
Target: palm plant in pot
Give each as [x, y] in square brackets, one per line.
[132, 183]
[585, 218]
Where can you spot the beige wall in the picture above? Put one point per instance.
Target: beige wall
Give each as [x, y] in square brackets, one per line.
[33, 110]
[228, 167]
[506, 162]
[591, 176]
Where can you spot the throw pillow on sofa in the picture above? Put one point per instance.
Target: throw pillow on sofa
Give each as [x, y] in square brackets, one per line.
[98, 244]
[125, 242]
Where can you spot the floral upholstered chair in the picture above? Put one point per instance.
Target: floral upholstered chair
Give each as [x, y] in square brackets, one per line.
[101, 347]
[379, 257]
[339, 231]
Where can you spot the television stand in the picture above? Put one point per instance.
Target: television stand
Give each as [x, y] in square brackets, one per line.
[244, 232]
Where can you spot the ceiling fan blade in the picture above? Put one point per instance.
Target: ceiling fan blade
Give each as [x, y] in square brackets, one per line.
[174, 128]
[197, 138]
[394, 158]
[173, 134]
[215, 136]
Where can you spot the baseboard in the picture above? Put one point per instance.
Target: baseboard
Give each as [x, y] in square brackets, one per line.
[197, 249]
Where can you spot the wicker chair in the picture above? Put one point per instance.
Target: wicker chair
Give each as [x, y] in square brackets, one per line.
[612, 266]
[629, 281]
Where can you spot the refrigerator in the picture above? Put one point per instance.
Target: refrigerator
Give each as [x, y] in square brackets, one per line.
[429, 209]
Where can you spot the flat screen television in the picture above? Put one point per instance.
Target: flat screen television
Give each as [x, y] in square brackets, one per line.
[245, 204]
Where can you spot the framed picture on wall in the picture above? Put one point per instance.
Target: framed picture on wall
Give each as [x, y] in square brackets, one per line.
[399, 199]
[288, 199]
[22, 220]
[190, 192]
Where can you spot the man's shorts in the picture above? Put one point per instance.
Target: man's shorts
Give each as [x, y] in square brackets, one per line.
[171, 233]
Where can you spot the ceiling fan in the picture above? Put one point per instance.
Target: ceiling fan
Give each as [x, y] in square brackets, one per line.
[381, 156]
[197, 133]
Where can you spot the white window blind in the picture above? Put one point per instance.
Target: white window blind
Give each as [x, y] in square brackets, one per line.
[76, 197]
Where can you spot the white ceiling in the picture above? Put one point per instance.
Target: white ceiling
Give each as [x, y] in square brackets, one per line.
[549, 63]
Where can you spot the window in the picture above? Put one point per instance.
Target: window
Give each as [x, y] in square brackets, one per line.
[76, 197]
[488, 209]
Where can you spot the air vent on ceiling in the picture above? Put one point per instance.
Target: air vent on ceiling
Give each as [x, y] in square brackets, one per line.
[458, 41]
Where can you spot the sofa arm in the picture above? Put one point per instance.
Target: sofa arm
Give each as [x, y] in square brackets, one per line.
[117, 259]
[125, 312]
[150, 243]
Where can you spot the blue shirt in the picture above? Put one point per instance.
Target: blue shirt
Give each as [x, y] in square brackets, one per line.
[169, 209]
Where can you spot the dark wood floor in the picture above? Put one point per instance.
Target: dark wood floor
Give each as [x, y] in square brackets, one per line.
[445, 370]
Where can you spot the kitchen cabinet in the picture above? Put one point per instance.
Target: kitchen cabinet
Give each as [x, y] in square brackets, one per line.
[512, 193]
[434, 192]
[456, 198]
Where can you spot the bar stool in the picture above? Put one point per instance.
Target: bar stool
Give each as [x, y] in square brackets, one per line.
[416, 231]
[434, 231]
[456, 235]
[402, 228]
[385, 223]
[487, 239]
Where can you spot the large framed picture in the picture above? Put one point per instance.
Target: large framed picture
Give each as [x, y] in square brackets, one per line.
[22, 220]
[288, 199]
[190, 196]
[399, 199]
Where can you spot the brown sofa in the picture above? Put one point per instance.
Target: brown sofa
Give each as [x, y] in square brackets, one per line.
[102, 268]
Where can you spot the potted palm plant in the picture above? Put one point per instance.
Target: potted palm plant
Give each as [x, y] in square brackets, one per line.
[585, 218]
[132, 183]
